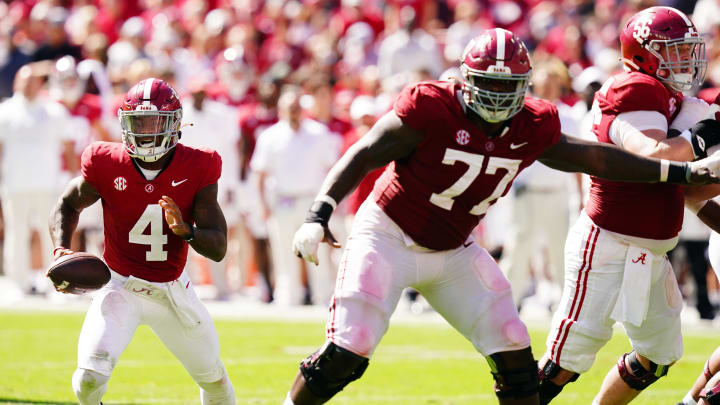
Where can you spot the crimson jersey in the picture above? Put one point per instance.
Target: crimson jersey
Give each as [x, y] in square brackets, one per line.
[645, 210]
[438, 194]
[138, 241]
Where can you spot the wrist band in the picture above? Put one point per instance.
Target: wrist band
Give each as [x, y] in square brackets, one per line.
[664, 169]
[326, 198]
[58, 248]
[320, 212]
[678, 173]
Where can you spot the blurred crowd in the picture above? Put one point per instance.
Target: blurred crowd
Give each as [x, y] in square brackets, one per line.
[253, 73]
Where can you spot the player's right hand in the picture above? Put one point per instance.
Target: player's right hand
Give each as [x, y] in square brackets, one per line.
[308, 238]
[704, 171]
[58, 253]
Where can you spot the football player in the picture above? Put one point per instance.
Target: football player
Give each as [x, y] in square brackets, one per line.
[706, 390]
[156, 203]
[616, 269]
[453, 149]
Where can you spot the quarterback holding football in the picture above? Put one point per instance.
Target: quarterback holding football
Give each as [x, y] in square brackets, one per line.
[158, 198]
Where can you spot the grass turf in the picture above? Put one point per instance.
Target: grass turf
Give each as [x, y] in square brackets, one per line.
[414, 364]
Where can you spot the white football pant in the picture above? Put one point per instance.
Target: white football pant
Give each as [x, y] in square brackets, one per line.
[594, 266]
[464, 285]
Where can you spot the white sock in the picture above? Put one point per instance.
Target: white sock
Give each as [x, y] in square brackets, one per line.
[89, 386]
[688, 400]
[288, 400]
[217, 393]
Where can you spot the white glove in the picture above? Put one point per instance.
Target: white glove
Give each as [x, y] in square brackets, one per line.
[692, 110]
[712, 163]
[306, 241]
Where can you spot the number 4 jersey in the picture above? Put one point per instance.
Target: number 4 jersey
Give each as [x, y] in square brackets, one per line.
[138, 241]
[439, 193]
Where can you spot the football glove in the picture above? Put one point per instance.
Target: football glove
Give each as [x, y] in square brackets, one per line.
[315, 230]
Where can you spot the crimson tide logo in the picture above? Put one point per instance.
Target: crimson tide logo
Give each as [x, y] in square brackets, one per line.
[120, 183]
[462, 137]
[149, 188]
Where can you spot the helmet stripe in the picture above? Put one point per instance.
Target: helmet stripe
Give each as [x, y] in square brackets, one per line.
[681, 14]
[147, 90]
[500, 38]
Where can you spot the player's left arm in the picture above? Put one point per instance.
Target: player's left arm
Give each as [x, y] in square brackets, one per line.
[607, 161]
[208, 236]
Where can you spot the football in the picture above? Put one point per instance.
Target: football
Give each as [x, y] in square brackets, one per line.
[80, 272]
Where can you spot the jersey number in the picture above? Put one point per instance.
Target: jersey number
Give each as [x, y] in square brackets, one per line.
[152, 215]
[474, 161]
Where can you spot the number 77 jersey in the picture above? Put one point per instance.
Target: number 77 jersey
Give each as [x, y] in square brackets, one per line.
[439, 193]
[138, 241]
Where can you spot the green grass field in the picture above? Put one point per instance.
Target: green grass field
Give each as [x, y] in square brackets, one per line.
[415, 364]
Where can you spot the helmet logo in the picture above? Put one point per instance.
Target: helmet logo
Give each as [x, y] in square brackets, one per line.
[642, 29]
[499, 69]
[462, 137]
[149, 188]
[120, 183]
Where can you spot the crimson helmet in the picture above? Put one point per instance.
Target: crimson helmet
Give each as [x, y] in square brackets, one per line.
[495, 59]
[150, 119]
[663, 42]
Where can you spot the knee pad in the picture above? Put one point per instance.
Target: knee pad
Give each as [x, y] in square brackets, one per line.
[711, 395]
[640, 378]
[515, 377]
[548, 389]
[330, 369]
[89, 386]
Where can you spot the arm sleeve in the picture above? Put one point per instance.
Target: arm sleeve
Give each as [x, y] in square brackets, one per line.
[635, 121]
[415, 106]
[214, 170]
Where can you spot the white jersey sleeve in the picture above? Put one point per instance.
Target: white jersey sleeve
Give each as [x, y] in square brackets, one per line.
[635, 121]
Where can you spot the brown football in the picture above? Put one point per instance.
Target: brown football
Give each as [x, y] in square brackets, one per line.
[80, 272]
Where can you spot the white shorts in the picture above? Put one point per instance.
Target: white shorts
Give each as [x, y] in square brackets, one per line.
[464, 285]
[124, 304]
[594, 266]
